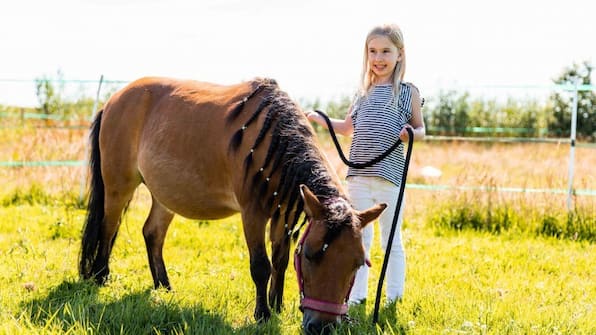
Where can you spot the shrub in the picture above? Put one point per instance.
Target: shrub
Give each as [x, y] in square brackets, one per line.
[36, 194]
[497, 214]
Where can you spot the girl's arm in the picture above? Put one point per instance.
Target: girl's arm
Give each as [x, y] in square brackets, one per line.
[417, 121]
[342, 127]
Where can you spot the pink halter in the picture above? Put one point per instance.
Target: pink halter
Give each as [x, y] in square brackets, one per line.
[311, 303]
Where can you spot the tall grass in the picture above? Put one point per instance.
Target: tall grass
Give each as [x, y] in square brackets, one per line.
[491, 212]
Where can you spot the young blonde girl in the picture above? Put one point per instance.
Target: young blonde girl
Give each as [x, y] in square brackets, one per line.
[382, 110]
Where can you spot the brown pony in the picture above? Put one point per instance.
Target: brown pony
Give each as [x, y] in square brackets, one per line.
[208, 151]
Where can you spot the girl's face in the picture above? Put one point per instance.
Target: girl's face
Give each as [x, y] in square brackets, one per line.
[383, 55]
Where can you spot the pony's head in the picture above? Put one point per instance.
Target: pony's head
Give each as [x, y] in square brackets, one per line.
[327, 258]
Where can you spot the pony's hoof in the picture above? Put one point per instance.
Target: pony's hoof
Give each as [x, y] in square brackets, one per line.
[276, 305]
[100, 280]
[262, 315]
[165, 286]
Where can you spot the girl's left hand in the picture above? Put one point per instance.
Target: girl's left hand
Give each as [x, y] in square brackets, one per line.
[403, 135]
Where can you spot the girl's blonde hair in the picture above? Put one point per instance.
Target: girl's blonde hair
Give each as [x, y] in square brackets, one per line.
[395, 35]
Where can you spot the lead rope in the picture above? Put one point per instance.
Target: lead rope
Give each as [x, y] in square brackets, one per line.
[399, 199]
[341, 153]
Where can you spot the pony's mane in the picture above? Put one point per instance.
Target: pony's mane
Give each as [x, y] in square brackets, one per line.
[292, 153]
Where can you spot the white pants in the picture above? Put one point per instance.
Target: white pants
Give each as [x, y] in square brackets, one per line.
[365, 192]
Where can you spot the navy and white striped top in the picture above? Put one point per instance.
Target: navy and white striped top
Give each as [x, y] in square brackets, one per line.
[377, 121]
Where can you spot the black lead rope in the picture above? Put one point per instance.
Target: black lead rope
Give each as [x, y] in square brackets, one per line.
[399, 199]
[341, 153]
[394, 224]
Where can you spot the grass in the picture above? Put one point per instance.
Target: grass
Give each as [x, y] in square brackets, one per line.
[478, 262]
[458, 282]
[495, 213]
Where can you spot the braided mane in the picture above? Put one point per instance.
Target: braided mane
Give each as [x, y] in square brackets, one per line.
[292, 153]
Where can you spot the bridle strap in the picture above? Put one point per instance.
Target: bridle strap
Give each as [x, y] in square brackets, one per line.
[324, 306]
[311, 303]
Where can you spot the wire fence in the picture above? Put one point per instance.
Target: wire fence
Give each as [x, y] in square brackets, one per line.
[24, 115]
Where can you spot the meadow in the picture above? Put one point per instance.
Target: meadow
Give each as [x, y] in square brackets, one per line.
[479, 261]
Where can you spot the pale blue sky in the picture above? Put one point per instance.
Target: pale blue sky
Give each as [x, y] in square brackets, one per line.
[313, 48]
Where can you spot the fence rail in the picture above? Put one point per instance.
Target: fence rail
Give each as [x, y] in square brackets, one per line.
[573, 88]
[425, 187]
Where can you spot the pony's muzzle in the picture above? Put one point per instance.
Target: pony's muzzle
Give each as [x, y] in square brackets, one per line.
[314, 323]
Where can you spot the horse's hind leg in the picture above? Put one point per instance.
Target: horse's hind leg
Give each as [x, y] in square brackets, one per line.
[154, 231]
[116, 200]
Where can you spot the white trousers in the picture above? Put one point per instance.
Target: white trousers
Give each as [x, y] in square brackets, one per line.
[365, 192]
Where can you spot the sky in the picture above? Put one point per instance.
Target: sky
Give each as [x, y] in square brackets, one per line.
[312, 48]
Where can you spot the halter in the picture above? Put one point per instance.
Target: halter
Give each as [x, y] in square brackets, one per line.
[317, 304]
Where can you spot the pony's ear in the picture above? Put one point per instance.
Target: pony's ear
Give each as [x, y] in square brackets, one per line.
[370, 214]
[312, 205]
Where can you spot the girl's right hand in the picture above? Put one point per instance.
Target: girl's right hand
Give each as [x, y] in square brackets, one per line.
[312, 116]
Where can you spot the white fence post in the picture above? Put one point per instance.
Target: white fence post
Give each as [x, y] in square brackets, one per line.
[572, 143]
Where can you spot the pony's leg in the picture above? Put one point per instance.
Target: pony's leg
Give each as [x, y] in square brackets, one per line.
[154, 231]
[260, 267]
[280, 256]
[116, 199]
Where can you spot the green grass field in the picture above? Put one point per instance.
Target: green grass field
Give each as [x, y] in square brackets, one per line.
[460, 279]
[458, 282]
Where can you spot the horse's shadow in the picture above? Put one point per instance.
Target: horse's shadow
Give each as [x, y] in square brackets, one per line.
[76, 306]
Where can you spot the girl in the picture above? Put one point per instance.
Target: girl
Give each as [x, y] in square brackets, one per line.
[382, 110]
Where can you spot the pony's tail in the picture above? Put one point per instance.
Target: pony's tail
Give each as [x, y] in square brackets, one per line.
[95, 206]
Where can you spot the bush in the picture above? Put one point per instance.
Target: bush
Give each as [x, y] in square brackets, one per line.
[36, 194]
[492, 213]
[576, 225]
[456, 115]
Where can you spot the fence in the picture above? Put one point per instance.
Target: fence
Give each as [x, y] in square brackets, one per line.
[571, 88]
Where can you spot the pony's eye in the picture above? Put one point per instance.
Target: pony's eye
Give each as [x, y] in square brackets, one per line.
[313, 256]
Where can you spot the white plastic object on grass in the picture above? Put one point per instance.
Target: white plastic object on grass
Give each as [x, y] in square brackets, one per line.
[431, 172]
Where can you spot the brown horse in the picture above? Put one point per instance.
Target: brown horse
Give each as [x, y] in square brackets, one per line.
[208, 151]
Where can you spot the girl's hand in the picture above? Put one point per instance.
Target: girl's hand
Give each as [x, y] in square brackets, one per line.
[403, 135]
[312, 116]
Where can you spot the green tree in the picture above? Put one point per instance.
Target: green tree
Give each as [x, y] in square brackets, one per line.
[56, 104]
[49, 96]
[562, 104]
[450, 116]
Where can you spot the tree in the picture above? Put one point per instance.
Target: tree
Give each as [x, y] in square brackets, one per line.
[49, 98]
[450, 116]
[562, 104]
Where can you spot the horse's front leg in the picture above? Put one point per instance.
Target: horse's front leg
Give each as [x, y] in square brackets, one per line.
[260, 267]
[280, 256]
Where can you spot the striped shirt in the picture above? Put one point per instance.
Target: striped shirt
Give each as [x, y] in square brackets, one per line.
[377, 121]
